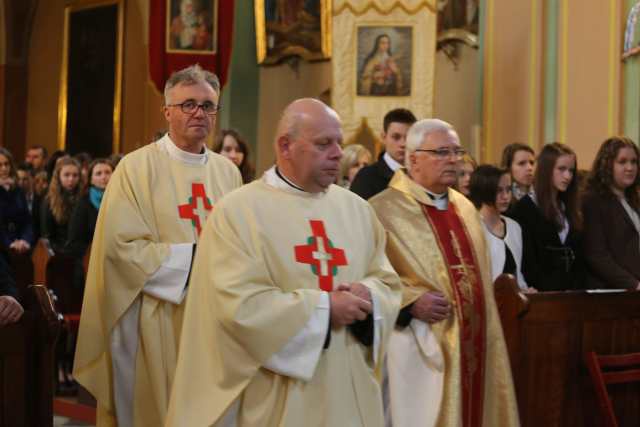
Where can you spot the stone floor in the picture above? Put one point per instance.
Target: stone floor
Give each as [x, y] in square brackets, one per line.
[59, 421]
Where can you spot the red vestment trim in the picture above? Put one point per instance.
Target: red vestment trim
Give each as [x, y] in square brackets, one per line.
[468, 292]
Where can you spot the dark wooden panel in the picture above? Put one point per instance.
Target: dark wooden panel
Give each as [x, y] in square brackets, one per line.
[548, 335]
[26, 364]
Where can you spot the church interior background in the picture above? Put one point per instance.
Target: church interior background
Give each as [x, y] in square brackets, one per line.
[532, 71]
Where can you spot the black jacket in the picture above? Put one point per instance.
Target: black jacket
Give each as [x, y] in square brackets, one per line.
[52, 229]
[372, 179]
[82, 224]
[547, 263]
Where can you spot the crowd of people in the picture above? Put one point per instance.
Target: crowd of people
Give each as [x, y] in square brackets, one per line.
[546, 223]
[216, 298]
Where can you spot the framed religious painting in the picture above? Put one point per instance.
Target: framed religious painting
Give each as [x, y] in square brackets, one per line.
[89, 103]
[384, 60]
[292, 28]
[191, 26]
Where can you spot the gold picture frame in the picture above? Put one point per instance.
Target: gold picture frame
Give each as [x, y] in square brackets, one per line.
[78, 6]
[285, 28]
[200, 36]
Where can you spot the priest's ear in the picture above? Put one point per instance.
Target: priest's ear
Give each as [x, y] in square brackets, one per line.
[166, 112]
[283, 146]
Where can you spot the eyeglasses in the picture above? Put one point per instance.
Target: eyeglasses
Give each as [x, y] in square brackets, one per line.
[190, 107]
[443, 153]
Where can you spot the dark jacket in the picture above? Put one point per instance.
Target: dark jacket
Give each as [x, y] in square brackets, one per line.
[547, 263]
[7, 282]
[372, 179]
[15, 220]
[82, 224]
[36, 208]
[611, 243]
[55, 232]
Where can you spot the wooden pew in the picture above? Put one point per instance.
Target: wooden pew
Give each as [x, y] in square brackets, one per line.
[40, 257]
[22, 268]
[26, 363]
[547, 336]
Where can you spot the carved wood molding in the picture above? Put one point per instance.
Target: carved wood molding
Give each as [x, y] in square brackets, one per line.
[19, 17]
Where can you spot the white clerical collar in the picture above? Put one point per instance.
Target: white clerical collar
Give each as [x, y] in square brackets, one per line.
[167, 144]
[275, 178]
[393, 165]
[441, 201]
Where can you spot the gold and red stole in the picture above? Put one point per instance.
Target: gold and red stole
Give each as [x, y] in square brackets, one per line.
[466, 282]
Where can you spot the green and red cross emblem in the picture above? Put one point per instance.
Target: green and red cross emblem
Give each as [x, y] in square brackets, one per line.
[321, 255]
[198, 207]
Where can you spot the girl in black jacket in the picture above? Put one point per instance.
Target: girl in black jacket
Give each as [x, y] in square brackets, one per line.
[550, 219]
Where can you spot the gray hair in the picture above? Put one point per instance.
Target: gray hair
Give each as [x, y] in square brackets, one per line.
[419, 131]
[190, 76]
[350, 156]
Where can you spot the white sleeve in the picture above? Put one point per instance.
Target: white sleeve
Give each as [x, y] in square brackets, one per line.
[169, 281]
[378, 319]
[377, 324]
[299, 356]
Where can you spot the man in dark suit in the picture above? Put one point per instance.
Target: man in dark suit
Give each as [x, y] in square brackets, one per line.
[374, 178]
[10, 309]
[25, 174]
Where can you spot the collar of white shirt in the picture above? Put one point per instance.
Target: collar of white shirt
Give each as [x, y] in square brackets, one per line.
[393, 165]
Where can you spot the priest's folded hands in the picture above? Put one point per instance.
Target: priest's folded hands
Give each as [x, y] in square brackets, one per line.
[350, 302]
[431, 307]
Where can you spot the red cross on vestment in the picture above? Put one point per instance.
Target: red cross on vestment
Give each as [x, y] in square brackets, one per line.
[321, 255]
[196, 211]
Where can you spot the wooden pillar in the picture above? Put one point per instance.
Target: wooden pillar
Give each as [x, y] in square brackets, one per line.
[18, 22]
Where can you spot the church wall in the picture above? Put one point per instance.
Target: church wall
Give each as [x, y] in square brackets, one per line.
[279, 85]
[586, 91]
[589, 90]
[141, 103]
[3, 62]
[45, 54]
[587, 96]
[512, 70]
[456, 93]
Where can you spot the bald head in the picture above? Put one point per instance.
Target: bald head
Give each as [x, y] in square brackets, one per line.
[308, 144]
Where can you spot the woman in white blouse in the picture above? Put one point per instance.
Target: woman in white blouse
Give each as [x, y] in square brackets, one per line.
[490, 192]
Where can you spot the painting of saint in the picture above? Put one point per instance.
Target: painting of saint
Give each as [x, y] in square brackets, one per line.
[191, 26]
[292, 28]
[384, 59]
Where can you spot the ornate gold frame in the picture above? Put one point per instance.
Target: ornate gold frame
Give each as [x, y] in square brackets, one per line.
[216, 12]
[74, 6]
[261, 36]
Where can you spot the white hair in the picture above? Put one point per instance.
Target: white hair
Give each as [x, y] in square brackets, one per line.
[418, 133]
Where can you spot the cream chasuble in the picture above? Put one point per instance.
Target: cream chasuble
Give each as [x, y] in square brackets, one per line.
[455, 372]
[267, 256]
[153, 210]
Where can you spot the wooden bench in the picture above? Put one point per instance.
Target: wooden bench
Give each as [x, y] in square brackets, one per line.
[548, 335]
[27, 365]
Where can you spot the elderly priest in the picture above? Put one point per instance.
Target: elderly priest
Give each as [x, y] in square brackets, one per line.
[447, 363]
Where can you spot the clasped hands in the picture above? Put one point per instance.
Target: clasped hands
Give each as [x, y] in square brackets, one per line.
[431, 307]
[20, 246]
[350, 302]
[10, 310]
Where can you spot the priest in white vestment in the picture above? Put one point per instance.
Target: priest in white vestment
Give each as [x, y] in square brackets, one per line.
[292, 298]
[153, 211]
